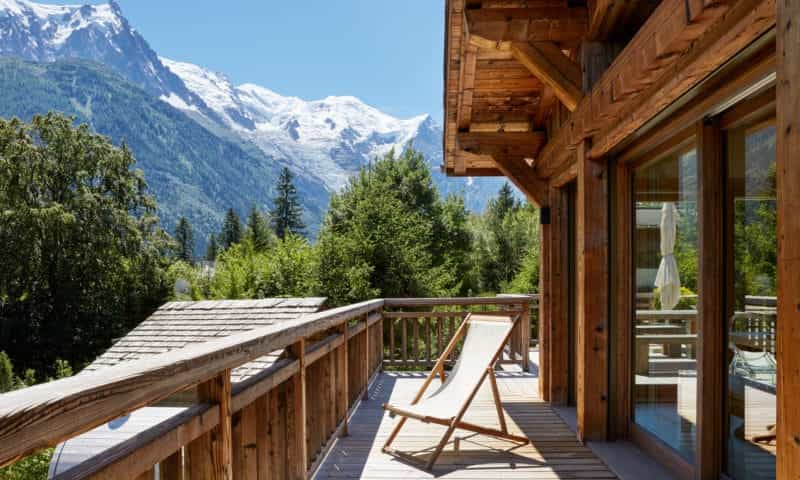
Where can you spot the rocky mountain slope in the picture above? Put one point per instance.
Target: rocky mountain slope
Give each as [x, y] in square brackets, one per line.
[323, 141]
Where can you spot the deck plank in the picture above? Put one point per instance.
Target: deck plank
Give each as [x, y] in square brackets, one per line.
[554, 452]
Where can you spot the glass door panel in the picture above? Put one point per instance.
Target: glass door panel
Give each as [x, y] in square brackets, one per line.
[665, 332]
[751, 363]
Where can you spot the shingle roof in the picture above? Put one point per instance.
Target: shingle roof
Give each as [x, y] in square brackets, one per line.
[177, 324]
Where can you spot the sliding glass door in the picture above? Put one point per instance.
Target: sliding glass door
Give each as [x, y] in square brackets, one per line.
[665, 259]
[751, 362]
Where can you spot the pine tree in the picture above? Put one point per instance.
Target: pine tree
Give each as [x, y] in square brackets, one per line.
[212, 249]
[257, 229]
[504, 203]
[285, 216]
[231, 229]
[184, 236]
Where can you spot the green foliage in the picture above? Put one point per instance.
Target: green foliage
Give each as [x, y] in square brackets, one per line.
[7, 380]
[506, 246]
[389, 234]
[83, 257]
[33, 467]
[231, 229]
[286, 214]
[258, 231]
[184, 239]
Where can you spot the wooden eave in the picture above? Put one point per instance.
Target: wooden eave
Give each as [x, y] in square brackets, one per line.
[504, 80]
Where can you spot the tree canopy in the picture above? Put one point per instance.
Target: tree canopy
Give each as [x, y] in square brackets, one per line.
[83, 255]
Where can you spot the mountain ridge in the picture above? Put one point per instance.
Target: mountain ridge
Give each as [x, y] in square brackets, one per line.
[324, 142]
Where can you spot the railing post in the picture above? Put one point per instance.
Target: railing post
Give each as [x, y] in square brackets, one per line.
[210, 455]
[297, 451]
[525, 340]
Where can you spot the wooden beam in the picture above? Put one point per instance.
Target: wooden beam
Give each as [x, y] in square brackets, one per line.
[667, 57]
[522, 176]
[788, 169]
[467, 85]
[549, 64]
[711, 326]
[564, 25]
[500, 127]
[592, 297]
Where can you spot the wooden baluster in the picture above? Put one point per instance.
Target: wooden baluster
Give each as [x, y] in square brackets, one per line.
[210, 454]
[343, 390]
[171, 468]
[525, 320]
[263, 437]
[249, 432]
[428, 341]
[391, 340]
[237, 442]
[297, 454]
[450, 335]
[366, 357]
[439, 339]
[404, 342]
[415, 337]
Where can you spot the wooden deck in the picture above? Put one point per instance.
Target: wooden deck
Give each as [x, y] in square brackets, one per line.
[554, 452]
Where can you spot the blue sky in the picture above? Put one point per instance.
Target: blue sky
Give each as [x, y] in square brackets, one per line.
[388, 53]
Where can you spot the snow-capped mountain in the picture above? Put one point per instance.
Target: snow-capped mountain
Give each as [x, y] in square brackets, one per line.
[331, 138]
[100, 33]
[323, 141]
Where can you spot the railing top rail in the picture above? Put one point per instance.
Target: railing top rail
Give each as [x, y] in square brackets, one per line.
[52, 412]
[434, 302]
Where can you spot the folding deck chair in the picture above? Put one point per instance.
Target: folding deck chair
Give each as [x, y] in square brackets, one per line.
[486, 335]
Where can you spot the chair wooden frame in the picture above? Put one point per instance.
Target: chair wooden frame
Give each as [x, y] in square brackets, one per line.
[457, 422]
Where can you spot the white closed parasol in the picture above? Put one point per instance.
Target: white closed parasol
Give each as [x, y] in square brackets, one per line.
[668, 279]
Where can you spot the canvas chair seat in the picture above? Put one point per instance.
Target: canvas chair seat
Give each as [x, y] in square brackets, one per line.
[486, 335]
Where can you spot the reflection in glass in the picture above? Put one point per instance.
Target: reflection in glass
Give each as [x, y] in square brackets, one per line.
[665, 332]
[751, 365]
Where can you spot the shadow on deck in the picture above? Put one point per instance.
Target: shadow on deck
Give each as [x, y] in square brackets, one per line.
[554, 452]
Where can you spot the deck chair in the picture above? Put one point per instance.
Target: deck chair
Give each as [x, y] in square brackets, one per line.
[486, 335]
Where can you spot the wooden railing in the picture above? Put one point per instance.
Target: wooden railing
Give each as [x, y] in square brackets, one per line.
[416, 331]
[276, 424]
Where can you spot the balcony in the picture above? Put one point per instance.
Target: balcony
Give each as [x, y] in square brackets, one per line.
[315, 412]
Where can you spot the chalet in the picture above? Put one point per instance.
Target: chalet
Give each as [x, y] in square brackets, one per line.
[656, 137]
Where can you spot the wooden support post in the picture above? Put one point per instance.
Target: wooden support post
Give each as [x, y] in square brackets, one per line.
[557, 310]
[545, 297]
[622, 303]
[297, 453]
[592, 293]
[210, 455]
[711, 299]
[788, 325]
